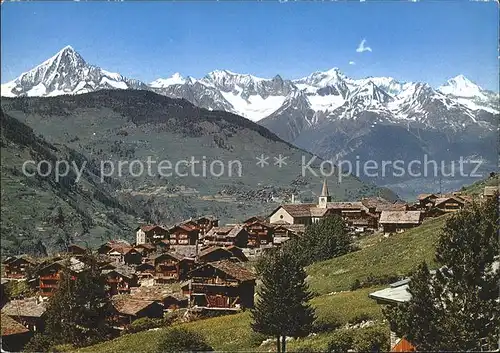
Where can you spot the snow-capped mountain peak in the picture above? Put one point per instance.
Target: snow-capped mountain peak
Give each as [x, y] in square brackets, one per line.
[461, 86]
[321, 79]
[175, 79]
[320, 94]
[66, 73]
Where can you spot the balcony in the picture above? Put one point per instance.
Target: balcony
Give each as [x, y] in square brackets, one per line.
[48, 285]
[168, 264]
[50, 278]
[167, 275]
[213, 282]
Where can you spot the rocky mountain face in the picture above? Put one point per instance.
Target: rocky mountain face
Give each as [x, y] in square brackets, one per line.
[327, 113]
[41, 214]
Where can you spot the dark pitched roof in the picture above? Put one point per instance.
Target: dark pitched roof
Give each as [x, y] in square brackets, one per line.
[122, 249]
[150, 227]
[397, 206]
[213, 249]
[400, 217]
[184, 226]
[210, 218]
[10, 326]
[220, 230]
[234, 270]
[355, 205]
[174, 255]
[256, 219]
[374, 202]
[122, 270]
[78, 247]
[30, 307]
[127, 305]
[184, 250]
[442, 200]
[299, 209]
[295, 228]
[228, 231]
[73, 264]
[154, 293]
[424, 196]
[146, 246]
[23, 257]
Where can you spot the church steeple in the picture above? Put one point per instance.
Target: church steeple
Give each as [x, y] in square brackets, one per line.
[324, 190]
[325, 196]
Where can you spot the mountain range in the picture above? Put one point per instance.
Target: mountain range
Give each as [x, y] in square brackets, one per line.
[327, 113]
[111, 127]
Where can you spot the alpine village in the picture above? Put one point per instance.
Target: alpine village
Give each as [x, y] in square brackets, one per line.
[356, 262]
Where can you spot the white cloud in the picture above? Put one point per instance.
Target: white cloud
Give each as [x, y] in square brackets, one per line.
[362, 48]
[352, 63]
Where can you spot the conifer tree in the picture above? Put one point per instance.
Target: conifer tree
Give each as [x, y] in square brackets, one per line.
[282, 308]
[78, 310]
[457, 308]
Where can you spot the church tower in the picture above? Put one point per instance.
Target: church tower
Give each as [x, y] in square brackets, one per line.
[325, 196]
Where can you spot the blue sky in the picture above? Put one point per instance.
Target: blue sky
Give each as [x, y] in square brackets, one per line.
[423, 41]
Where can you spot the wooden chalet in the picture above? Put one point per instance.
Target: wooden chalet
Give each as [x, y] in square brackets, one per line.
[77, 250]
[30, 312]
[220, 285]
[110, 245]
[146, 267]
[225, 236]
[50, 275]
[434, 212]
[205, 223]
[259, 232]
[489, 191]
[363, 223]
[163, 245]
[399, 221]
[426, 201]
[284, 232]
[254, 219]
[162, 295]
[14, 334]
[376, 205]
[120, 279]
[170, 267]
[237, 253]
[214, 253]
[17, 266]
[183, 234]
[150, 234]
[449, 204]
[397, 293]
[128, 309]
[125, 254]
[146, 249]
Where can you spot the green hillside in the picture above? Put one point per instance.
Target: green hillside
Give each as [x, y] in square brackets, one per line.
[335, 305]
[393, 256]
[478, 187]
